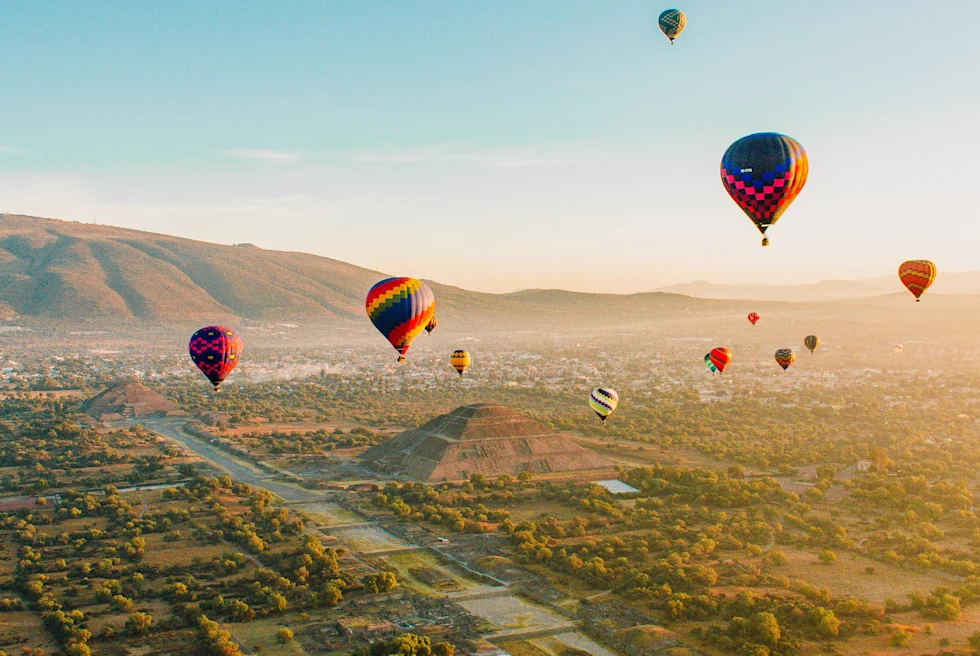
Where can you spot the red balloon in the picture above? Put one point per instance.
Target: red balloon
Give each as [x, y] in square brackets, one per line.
[215, 350]
[720, 357]
[753, 317]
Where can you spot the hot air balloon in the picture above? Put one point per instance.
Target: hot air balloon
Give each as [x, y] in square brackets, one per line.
[720, 357]
[215, 350]
[707, 362]
[754, 317]
[917, 275]
[603, 401]
[672, 22]
[400, 308]
[785, 357]
[811, 342]
[429, 327]
[460, 360]
[898, 348]
[763, 173]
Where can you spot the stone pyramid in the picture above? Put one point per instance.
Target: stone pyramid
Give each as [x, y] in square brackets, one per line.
[480, 438]
[129, 400]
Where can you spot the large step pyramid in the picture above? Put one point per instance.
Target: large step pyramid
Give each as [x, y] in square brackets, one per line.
[128, 399]
[480, 438]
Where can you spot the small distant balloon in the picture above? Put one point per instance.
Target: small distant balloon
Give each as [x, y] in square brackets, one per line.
[811, 342]
[429, 327]
[672, 22]
[763, 173]
[460, 360]
[785, 357]
[400, 308]
[603, 401]
[898, 348]
[917, 275]
[720, 357]
[215, 350]
[754, 317]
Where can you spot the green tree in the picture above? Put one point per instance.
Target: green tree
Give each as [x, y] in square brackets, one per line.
[765, 628]
[139, 623]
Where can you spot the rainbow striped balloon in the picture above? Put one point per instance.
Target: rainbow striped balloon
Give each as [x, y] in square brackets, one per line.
[400, 308]
[785, 357]
[917, 275]
[603, 401]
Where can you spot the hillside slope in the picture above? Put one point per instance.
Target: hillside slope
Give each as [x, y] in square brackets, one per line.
[63, 270]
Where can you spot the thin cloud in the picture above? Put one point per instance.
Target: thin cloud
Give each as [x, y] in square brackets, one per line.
[265, 155]
[11, 150]
[551, 155]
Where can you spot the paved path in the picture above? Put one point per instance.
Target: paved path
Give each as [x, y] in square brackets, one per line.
[237, 469]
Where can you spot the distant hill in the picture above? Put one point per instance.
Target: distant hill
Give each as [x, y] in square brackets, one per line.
[64, 270]
[965, 283]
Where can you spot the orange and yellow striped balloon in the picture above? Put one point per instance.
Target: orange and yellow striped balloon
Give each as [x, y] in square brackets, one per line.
[917, 275]
[720, 357]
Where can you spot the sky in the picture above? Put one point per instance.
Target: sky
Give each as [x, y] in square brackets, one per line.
[499, 145]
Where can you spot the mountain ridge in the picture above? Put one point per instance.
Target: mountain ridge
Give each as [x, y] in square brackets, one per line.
[965, 283]
[60, 270]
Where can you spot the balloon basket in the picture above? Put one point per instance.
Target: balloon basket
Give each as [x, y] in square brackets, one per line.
[765, 241]
[401, 358]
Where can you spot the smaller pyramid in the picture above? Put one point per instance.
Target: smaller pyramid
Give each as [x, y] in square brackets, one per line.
[128, 400]
[480, 438]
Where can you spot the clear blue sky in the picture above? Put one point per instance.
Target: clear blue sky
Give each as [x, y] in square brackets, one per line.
[500, 144]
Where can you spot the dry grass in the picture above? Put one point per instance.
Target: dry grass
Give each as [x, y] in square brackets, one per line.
[848, 576]
[326, 514]
[159, 552]
[262, 634]
[957, 632]
[24, 629]
[523, 648]
[404, 563]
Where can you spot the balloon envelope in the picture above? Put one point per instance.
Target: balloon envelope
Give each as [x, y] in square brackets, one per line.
[215, 350]
[460, 360]
[917, 275]
[429, 327]
[720, 357]
[754, 317]
[785, 357]
[603, 401]
[672, 22]
[400, 308]
[764, 173]
[811, 342]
